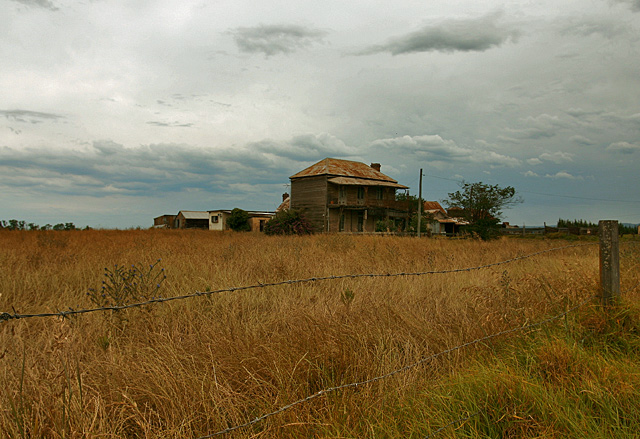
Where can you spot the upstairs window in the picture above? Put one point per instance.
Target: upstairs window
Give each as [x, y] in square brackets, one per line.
[342, 193]
[360, 193]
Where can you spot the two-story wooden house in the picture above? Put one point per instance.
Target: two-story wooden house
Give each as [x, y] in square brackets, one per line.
[347, 196]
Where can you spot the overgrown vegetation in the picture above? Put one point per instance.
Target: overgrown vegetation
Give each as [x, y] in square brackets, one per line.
[197, 366]
[288, 222]
[238, 220]
[623, 229]
[14, 224]
[481, 205]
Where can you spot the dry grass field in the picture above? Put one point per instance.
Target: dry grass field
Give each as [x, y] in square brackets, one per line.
[190, 368]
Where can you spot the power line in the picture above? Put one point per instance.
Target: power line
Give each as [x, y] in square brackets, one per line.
[547, 194]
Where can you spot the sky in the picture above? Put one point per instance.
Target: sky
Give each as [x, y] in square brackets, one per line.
[113, 112]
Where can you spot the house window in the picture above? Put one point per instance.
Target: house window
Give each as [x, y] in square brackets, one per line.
[379, 193]
[342, 194]
[214, 219]
[360, 193]
[360, 221]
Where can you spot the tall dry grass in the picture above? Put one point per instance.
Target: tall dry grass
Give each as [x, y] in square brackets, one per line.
[193, 367]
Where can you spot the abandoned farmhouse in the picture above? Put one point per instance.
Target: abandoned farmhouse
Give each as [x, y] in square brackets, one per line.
[335, 196]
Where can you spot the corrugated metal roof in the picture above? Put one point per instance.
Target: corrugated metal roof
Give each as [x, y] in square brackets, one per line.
[192, 214]
[250, 212]
[433, 206]
[345, 168]
[285, 205]
[350, 181]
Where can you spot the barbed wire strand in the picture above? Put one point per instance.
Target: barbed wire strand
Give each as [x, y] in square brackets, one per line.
[5, 316]
[397, 371]
[628, 290]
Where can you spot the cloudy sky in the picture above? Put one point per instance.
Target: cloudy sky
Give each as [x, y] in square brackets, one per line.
[113, 112]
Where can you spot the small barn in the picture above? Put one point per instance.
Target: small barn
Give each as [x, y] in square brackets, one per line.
[192, 219]
[164, 221]
[442, 223]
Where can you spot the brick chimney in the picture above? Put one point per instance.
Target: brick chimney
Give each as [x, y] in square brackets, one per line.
[376, 166]
[285, 196]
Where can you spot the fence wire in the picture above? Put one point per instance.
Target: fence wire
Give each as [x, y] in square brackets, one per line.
[397, 371]
[6, 316]
[628, 290]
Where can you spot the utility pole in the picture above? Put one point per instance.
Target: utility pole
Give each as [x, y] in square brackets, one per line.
[420, 203]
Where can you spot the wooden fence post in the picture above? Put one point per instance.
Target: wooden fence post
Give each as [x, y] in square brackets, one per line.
[609, 261]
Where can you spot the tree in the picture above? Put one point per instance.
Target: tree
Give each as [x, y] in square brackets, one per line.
[482, 205]
[288, 222]
[413, 204]
[239, 220]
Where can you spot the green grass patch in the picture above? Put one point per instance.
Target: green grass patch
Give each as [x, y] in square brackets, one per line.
[580, 379]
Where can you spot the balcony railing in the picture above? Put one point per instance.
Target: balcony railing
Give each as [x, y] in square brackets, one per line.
[372, 203]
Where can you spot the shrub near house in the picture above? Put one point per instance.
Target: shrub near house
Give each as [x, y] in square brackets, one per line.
[288, 222]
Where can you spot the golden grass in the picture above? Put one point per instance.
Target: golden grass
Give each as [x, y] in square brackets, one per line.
[192, 367]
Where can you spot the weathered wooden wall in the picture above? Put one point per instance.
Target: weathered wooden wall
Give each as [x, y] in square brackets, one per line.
[309, 195]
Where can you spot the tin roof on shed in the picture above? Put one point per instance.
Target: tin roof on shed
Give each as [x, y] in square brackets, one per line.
[193, 214]
[433, 206]
[342, 168]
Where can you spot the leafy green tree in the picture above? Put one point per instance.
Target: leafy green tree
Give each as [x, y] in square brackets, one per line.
[482, 205]
[575, 223]
[239, 220]
[288, 222]
[59, 226]
[414, 204]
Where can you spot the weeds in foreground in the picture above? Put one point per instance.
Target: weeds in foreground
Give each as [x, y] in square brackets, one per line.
[123, 285]
[193, 367]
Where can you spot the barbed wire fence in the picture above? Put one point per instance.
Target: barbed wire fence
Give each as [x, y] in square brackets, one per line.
[397, 371]
[6, 317]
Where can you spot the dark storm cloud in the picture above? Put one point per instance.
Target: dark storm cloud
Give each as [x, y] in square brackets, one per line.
[581, 140]
[46, 4]
[170, 124]
[27, 116]
[624, 147]
[275, 39]
[633, 4]
[306, 147]
[475, 35]
[436, 149]
[108, 168]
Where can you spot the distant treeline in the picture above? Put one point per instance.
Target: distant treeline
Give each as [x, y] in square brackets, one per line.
[14, 224]
[622, 229]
